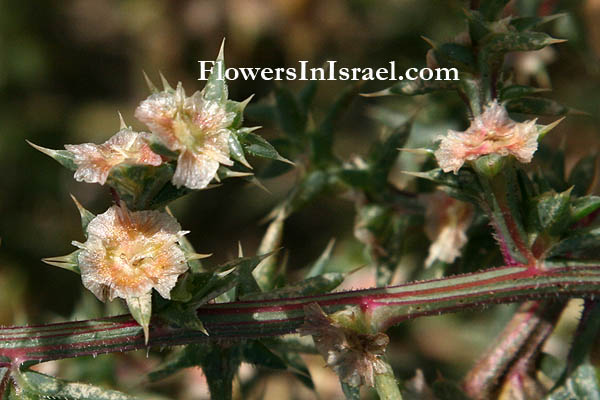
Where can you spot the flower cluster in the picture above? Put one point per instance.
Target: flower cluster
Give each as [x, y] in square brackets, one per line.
[195, 127]
[492, 132]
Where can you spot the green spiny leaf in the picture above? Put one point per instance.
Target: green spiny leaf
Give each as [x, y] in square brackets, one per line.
[536, 106]
[584, 206]
[454, 55]
[63, 157]
[526, 23]
[86, 216]
[553, 211]
[517, 91]
[583, 175]
[581, 384]
[518, 41]
[491, 9]
[255, 352]
[216, 89]
[291, 116]
[69, 262]
[141, 310]
[318, 267]
[257, 146]
[43, 386]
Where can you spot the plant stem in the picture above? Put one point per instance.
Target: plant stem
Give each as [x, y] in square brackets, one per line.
[516, 346]
[266, 318]
[386, 385]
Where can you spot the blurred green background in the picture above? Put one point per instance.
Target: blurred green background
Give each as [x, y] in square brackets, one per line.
[67, 67]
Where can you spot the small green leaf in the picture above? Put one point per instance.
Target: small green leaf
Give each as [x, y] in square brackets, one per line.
[257, 146]
[139, 185]
[238, 108]
[63, 157]
[463, 186]
[141, 310]
[162, 150]
[236, 151]
[220, 364]
[478, 27]
[584, 206]
[517, 91]
[257, 353]
[383, 155]
[412, 88]
[454, 55]
[583, 175]
[356, 178]
[43, 386]
[536, 106]
[69, 262]
[183, 316]
[307, 94]
[311, 186]
[316, 285]
[291, 116]
[216, 89]
[266, 271]
[579, 241]
[86, 216]
[581, 384]
[492, 9]
[167, 195]
[553, 211]
[518, 41]
[525, 23]
[318, 267]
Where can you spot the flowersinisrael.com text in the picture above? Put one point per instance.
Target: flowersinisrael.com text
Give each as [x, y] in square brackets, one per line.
[331, 72]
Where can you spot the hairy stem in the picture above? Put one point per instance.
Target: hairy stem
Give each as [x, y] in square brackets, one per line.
[383, 307]
[386, 385]
[514, 349]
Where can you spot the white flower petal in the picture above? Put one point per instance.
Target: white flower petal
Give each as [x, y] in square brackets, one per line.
[127, 254]
[194, 171]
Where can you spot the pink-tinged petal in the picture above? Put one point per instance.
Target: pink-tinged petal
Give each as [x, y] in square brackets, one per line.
[492, 132]
[158, 112]
[194, 171]
[127, 254]
[94, 161]
[446, 224]
[197, 128]
[92, 164]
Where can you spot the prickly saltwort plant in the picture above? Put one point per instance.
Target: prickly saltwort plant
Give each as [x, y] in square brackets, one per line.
[544, 223]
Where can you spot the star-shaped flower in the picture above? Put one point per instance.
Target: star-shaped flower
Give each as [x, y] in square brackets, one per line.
[95, 161]
[492, 132]
[127, 254]
[195, 127]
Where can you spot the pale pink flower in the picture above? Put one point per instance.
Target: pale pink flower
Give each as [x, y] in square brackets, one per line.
[446, 224]
[355, 357]
[127, 254]
[196, 128]
[492, 132]
[94, 161]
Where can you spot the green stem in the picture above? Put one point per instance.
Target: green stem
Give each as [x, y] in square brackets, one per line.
[383, 307]
[386, 385]
[500, 202]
